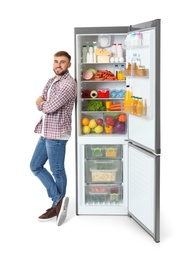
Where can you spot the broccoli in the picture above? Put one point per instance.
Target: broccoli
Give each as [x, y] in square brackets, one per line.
[95, 105]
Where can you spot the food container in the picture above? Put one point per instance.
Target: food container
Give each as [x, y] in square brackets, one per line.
[103, 151]
[103, 171]
[103, 93]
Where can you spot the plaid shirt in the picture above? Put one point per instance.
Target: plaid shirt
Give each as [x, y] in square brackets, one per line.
[58, 108]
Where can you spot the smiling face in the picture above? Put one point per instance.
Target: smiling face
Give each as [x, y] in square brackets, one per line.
[61, 65]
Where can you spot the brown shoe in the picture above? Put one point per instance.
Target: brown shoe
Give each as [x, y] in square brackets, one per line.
[48, 215]
[61, 210]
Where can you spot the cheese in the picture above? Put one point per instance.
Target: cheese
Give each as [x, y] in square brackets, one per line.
[102, 52]
[102, 59]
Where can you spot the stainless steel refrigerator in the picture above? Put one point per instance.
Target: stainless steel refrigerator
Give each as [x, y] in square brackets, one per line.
[118, 172]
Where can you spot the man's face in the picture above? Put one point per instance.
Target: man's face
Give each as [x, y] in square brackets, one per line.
[61, 65]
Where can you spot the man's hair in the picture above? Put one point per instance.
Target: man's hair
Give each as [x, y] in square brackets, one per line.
[63, 53]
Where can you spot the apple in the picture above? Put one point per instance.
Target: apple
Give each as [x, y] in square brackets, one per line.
[110, 120]
[99, 121]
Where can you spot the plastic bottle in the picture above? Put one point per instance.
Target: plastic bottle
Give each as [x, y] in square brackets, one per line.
[122, 67]
[114, 50]
[139, 107]
[84, 53]
[135, 105]
[133, 64]
[116, 70]
[91, 50]
[132, 105]
[119, 50]
[138, 61]
[127, 99]
[138, 38]
[132, 38]
[88, 57]
[94, 53]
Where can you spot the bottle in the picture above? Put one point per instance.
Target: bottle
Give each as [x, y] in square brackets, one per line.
[116, 70]
[94, 53]
[138, 61]
[114, 50]
[132, 105]
[135, 105]
[91, 50]
[138, 38]
[84, 53]
[88, 57]
[127, 99]
[122, 67]
[133, 64]
[119, 50]
[132, 38]
[139, 107]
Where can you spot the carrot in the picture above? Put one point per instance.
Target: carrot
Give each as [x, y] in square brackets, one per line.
[116, 107]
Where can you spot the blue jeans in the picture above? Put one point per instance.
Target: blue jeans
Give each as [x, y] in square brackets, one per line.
[53, 151]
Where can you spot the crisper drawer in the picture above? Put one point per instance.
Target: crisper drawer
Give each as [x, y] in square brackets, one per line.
[103, 171]
[103, 194]
[103, 151]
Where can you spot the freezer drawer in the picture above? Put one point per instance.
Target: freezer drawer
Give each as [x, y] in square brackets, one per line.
[103, 194]
[103, 171]
[103, 151]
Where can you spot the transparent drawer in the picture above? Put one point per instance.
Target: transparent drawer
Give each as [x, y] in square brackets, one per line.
[103, 151]
[103, 194]
[103, 171]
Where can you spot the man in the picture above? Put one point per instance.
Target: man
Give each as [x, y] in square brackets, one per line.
[56, 103]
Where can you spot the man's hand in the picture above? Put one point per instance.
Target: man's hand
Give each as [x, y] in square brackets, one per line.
[39, 100]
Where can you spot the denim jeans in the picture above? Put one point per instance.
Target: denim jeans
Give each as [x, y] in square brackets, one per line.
[56, 181]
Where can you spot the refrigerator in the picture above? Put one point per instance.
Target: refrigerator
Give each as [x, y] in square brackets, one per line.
[118, 172]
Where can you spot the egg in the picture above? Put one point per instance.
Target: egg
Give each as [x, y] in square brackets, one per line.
[116, 59]
[112, 59]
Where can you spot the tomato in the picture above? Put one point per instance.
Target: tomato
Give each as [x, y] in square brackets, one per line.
[122, 117]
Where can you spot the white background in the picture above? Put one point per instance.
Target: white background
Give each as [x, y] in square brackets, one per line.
[31, 32]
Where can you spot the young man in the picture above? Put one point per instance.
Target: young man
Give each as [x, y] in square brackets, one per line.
[56, 103]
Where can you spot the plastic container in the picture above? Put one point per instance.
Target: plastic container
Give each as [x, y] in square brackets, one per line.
[103, 171]
[116, 70]
[139, 107]
[134, 64]
[84, 51]
[91, 51]
[119, 50]
[127, 99]
[114, 50]
[103, 93]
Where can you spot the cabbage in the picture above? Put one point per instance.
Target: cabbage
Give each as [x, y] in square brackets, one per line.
[119, 127]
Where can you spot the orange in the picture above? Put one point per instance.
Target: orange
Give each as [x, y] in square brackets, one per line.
[85, 121]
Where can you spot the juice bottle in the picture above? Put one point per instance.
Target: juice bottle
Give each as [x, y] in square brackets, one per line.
[135, 105]
[139, 107]
[127, 99]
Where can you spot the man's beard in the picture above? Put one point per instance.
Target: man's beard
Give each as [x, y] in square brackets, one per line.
[60, 74]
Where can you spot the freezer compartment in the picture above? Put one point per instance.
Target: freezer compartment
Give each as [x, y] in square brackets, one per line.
[103, 151]
[103, 171]
[103, 194]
